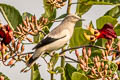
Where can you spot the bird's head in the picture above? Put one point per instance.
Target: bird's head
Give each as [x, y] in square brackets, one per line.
[73, 18]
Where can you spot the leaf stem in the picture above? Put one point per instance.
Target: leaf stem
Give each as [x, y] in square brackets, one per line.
[5, 17]
[62, 63]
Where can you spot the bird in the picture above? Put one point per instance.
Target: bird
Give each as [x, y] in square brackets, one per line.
[55, 39]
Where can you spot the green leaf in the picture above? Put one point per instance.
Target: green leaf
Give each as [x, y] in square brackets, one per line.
[35, 74]
[113, 66]
[117, 30]
[105, 19]
[101, 42]
[78, 76]
[78, 38]
[69, 69]
[5, 77]
[50, 12]
[85, 5]
[114, 12]
[82, 8]
[38, 37]
[59, 69]
[26, 14]
[96, 52]
[54, 59]
[118, 72]
[11, 15]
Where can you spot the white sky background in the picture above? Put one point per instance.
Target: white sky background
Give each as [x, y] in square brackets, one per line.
[36, 7]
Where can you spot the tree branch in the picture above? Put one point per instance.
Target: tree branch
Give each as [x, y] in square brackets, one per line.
[99, 47]
[61, 53]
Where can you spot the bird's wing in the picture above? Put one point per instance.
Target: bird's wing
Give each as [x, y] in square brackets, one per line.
[48, 39]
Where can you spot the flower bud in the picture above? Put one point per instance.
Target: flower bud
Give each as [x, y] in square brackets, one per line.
[25, 23]
[93, 70]
[18, 29]
[106, 66]
[2, 77]
[95, 60]
[18, 33]
[105, 72]
[3, 51]
[30, 40]
[82, 66]
[33, 19]
[13, 43]
[114, 56]
[118, 45]
[103, 53]
[18, 45]
[82, 61]
[109, 78]
[110, 72]
[100, 74]
[107, 46]
[84, 51]
[97, 64]
[32, 27]
[22, 48]
[7, 57]
[45, 21]
[86, 59]
[21, 28]
[89, 52]
[90, 76]
[102, 64]
[98, 58]
[25, 30]
[106, 53]
[26, 58]
[31, 33]
[63, 4]
[11, 62]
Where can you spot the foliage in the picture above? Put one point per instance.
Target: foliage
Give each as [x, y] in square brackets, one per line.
[94, 63]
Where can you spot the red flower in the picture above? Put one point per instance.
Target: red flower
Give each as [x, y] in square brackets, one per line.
[107, 32]
[6, 34]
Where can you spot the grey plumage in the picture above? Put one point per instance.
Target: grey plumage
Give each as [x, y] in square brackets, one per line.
[56, 39]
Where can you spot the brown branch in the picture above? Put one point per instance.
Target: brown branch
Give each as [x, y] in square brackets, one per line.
[99, 47]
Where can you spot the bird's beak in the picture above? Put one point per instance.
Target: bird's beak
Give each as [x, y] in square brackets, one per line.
[81, 19]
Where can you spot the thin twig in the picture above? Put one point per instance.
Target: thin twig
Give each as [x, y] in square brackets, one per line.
[72, 59]
[99, 47]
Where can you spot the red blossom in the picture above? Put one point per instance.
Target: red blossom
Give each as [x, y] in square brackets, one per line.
[6, 34]
[107, 32]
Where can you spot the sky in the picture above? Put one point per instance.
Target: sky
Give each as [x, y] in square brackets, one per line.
[36, 7]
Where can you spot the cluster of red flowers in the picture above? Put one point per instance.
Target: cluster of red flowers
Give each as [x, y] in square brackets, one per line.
[106, 32]
[6, 34]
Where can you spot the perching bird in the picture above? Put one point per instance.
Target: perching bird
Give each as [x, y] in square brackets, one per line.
[56, 39]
